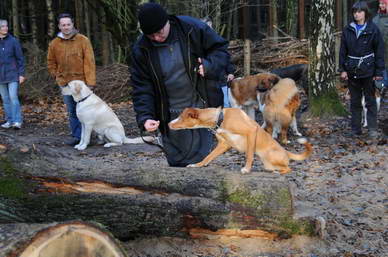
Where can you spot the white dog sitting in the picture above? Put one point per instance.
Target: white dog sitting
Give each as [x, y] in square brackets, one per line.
[95, 114]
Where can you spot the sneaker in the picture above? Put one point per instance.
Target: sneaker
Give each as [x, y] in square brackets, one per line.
[17, 125]
[6, 125]
[72, 141]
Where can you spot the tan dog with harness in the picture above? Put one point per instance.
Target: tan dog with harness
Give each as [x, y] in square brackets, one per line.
[234, 129]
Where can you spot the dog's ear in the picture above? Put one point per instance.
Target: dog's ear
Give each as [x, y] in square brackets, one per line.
[192, 113]
[77, 88]
[274, 79]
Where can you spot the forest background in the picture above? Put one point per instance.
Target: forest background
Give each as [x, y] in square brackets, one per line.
[112, 28]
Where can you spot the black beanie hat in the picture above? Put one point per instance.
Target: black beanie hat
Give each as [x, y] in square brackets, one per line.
[152, 18]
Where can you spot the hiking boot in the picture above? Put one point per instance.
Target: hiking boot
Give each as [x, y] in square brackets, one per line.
[17, 125]
[72, 141]
[373, 134]
[6, 125]
[354, 134]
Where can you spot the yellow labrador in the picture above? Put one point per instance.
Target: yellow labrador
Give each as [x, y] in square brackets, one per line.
[95, 115]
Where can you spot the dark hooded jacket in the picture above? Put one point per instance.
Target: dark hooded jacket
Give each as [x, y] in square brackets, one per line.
[381, 20]
[196, 40]
[368, 42]
[11, 60]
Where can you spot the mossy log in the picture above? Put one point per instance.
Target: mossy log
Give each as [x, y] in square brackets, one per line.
[138, 198]
[70, 239]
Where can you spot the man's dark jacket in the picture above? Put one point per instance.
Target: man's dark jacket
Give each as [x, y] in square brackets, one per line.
[11, 60]
[196, 40]
[369, 41]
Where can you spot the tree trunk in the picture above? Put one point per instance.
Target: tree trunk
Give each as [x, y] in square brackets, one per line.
[345, 13]
[79, 15]
[273, 18]
[136, 198]
[301, 14]
[229, 28]
[247, 57]
[105, 49]
[50, 19]
[34, 26]
[70, 239]
[323, 97]
[15, 18]
[291, 17]
[86, 19]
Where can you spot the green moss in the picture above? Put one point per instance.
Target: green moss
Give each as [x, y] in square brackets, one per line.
[297, 227]
[6, 166]
[10, 184]
[327, 105]
[11, 187]
[246, 199]
[284, 198]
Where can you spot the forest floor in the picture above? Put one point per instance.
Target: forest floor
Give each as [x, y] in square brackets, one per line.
[345, 182]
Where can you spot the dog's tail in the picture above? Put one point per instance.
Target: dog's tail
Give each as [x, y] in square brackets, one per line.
[138, 140]
[305, 154]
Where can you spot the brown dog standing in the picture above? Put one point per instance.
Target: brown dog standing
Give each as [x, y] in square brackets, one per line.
[243, 91]
[237, 130]
[281, 102]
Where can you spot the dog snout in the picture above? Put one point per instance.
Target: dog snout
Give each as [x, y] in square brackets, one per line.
[173, 124]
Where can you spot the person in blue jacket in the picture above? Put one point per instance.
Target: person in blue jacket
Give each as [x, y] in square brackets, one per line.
[361, 62]
[11, 76]
[176, 63]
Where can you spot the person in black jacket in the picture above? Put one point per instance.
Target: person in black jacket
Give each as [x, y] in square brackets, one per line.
[176, 63]
[229, 72]
[361, 61]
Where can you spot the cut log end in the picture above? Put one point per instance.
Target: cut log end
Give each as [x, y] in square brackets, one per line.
[69, 240]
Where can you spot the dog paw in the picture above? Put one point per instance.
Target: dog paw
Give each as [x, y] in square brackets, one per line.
[80, 147]
[298, 134]
[245, 170]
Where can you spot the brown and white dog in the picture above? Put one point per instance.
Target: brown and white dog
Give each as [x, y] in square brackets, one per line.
[234, 129]
[243, 91]
[281, 102]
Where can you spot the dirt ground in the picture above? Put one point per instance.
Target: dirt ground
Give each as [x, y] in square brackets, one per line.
[344, 182]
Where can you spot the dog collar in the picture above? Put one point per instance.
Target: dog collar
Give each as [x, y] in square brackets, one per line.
[220, 118]
[83, 99]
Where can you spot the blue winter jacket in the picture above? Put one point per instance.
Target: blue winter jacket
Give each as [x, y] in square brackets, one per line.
[11, 60]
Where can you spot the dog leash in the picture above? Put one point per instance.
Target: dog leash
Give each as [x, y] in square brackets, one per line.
[160, 146]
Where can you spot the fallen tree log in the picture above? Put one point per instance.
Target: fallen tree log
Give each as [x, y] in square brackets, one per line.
[70, 239]
[138, 198]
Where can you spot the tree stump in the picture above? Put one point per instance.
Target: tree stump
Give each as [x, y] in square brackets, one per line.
[70, 239]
